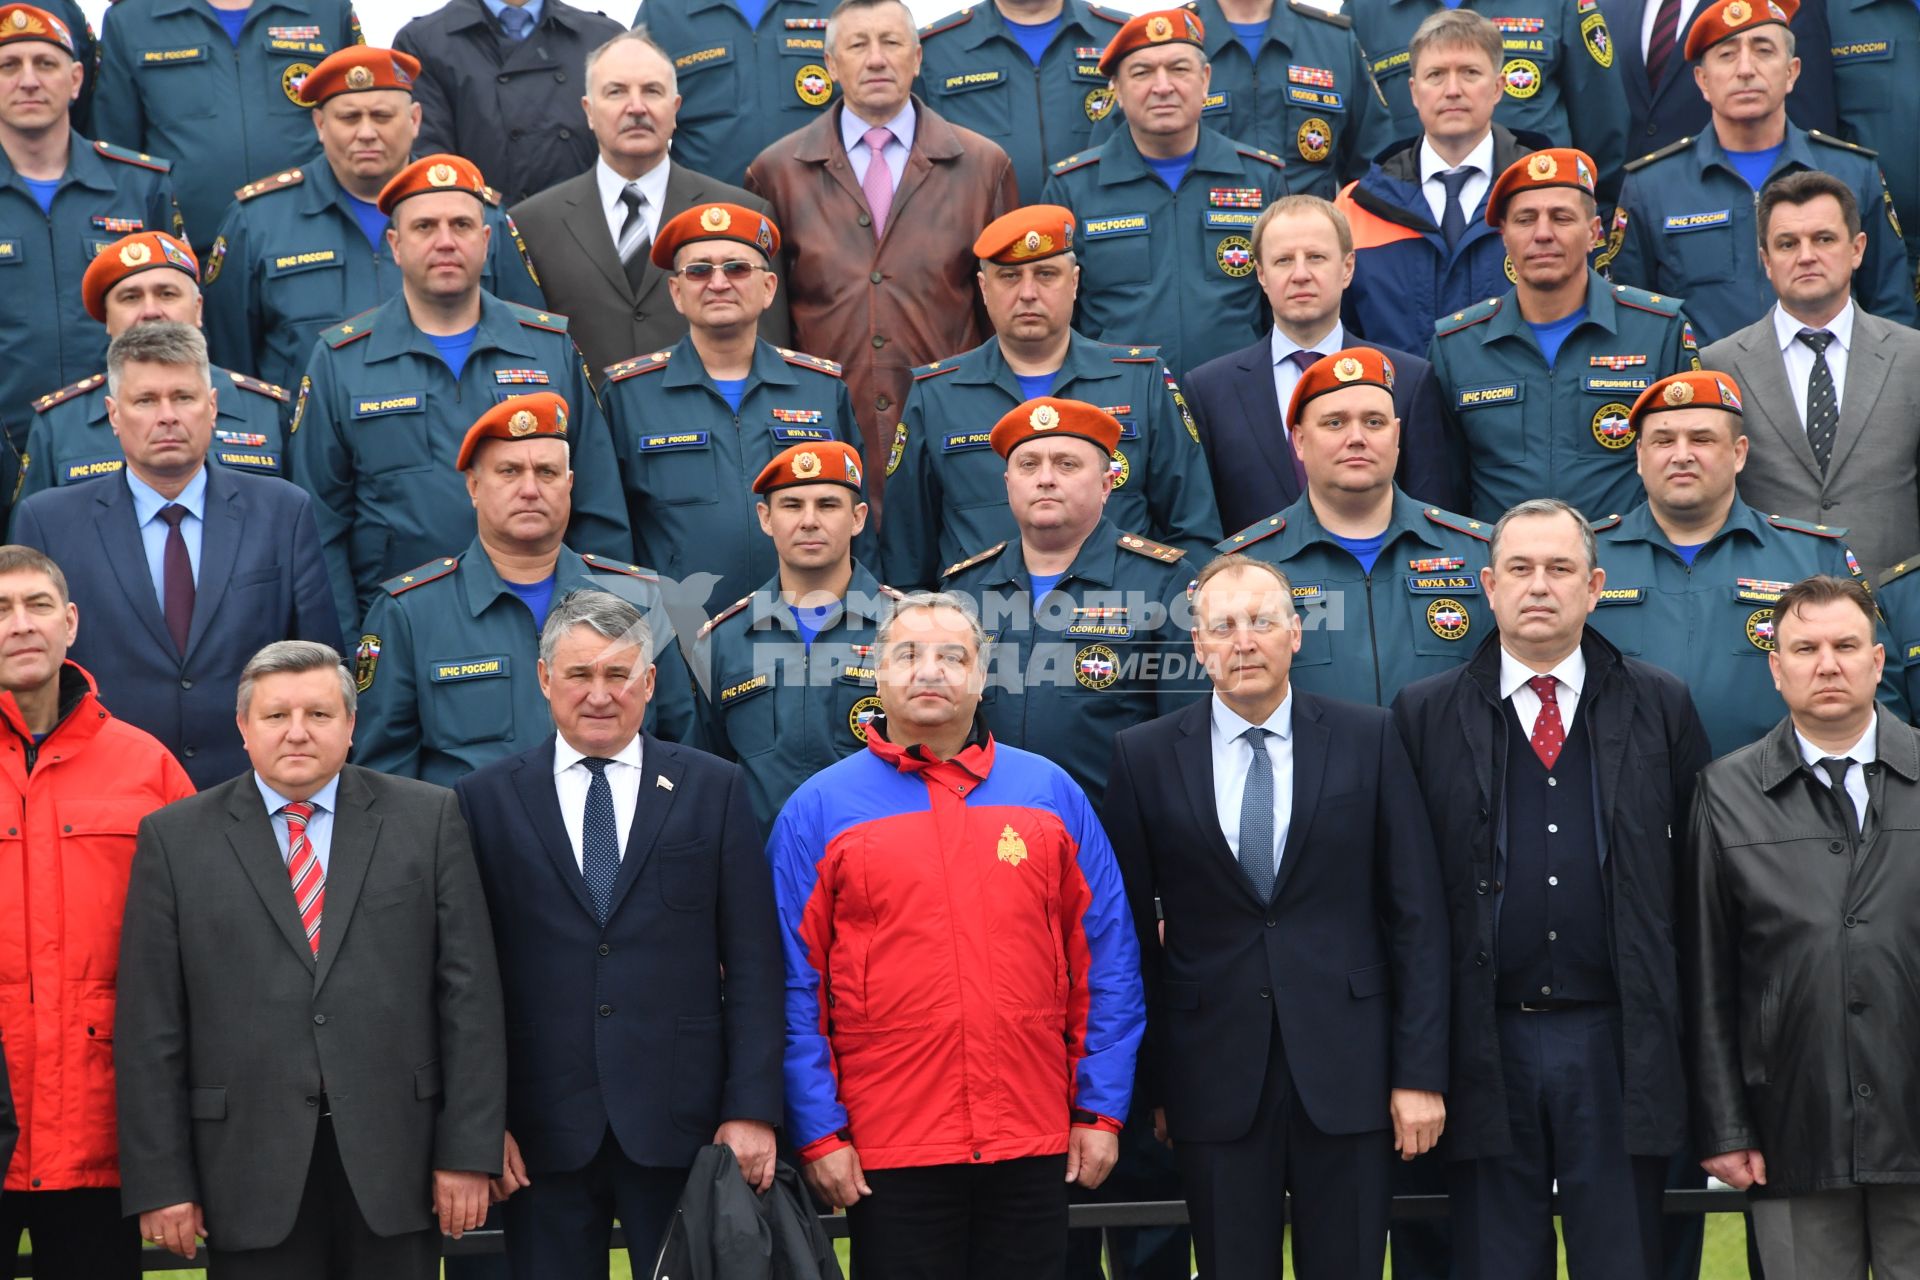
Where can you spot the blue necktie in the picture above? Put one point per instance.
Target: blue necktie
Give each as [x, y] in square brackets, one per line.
[1453, 219]
[1256, 817]
[599, 838]
[518, 23]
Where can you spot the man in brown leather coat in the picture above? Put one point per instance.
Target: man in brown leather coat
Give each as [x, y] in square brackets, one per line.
[884, 198]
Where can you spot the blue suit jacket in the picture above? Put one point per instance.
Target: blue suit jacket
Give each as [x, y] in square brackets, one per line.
[1676, 110]
[626, 1024]
[1243, 431]
[262, 579]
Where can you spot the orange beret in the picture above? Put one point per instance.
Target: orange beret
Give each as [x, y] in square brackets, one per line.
[1051, 416]
[1696, 389]
[1026, 235]
[1719, 22]
[24, 22]
[516, 418]
[1554, 167]
[428, 174]
[1353, 367]
[357, 69]
[814, 462]
[714, 222]
[130, 255]
[1161, 26]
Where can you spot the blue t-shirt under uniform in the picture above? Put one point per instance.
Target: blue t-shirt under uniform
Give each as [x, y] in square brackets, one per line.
[1553, 333]
[43, 191]
[373, 223]
[455, 348]
[1044, 583]
[232, 20]
[1039, 384]
[752, 10]
[1365, 550]
[1171, 171]
[1034, 37]
[813, 619]
[537, 596]
[1250, 34]
[732, 390]
[1688, 552]
[1754, 166]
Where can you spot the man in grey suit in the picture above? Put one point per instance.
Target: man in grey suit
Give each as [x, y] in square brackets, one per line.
[588, 236]
[311, 1046]
[1833, 393]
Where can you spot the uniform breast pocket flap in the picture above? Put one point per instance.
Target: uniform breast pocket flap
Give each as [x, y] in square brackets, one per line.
[678, 467]
[292, 263]
[1114, 249]
[11, 252]
[1698, 246]
[470, 699]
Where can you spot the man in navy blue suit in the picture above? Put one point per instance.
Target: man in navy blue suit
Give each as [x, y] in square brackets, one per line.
[633, 915]
[183, 570]
[1303, 258]
[1297, 1002]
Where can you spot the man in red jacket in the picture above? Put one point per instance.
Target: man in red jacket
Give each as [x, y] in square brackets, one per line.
[74, 784]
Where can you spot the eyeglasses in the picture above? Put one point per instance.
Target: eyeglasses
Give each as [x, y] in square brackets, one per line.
[733, 269]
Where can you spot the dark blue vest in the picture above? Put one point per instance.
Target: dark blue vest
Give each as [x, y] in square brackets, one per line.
[1553, 910]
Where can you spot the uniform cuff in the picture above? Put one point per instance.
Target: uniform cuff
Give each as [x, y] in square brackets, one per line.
[1089, 1120]
[825, 1146]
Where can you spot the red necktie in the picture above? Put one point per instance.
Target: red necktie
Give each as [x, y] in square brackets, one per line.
[303, 869]
[1661, 41]
[176, 577]
[1549, 735]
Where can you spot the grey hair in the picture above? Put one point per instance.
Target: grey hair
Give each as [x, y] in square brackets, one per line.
[606, 614]
[1456, 28]
[292, 657]
[833, 19]
[1545, 507]
[640, 37]
[158, 342]
[921, 601]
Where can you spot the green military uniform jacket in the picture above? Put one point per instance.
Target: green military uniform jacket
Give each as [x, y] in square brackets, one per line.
[1169, 267]
[1899, 599]
[291, 261]
[975, 74]
[782, 708]
[1876, 62]
[687, 461]
[379, 422]
[1106, 649]
[71, 439]
[446, 665]
[1364, 635]
[946, 487]
[1561, 432]
[1711, 624]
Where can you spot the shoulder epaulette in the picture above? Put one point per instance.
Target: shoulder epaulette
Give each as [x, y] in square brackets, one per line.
[1640, 300]
[1808, 527]
[935, 369]
[1900, 570]
[1460, 524]
[490, 195]
[723, 615]
[431, 571]
[973, 560]
[258, 387]
[620, 567]
[1256, 153]
[139, 159]
[947, 23]
[1604, 523]
[1150, 549]
[551, 321]
[1473, 315]
[1080, 160]
[64, 394]
[1842, 143]
[1316, 12]
[638, 364]
[1144, 354]
[1115, 16]
[819, 364]
[281, 181]
[352, 331]
[1251, 534]
[1647, 159]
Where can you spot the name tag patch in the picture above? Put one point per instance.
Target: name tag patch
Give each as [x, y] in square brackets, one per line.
[972, 80]
[247, 461]
[793, 435]
[1862, 51]
[718, 56]
[1119, 224]
[1321, 99]
[9, 251]
[958, 440]
[1698, 221]
[285, 263]
[1479, 397]
[733, 693]
[1230, 219]
[467, 669]
[1623, 595]
[677, 440]
[375, 406]
[169, 57]
[1443, 584]
[90, 468]
[1214, 103]
[804, 44]
[1610, 386]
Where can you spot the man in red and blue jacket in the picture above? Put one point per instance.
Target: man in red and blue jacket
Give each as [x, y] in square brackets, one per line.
[963, 985]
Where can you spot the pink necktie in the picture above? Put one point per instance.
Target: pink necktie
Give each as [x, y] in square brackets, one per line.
[878, 184]
[1549, 735]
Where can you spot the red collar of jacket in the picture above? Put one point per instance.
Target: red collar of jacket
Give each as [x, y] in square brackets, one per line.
[78, 694]
[965, 770]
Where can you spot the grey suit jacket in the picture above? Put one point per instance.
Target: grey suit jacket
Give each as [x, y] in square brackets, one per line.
[1872, 485]
[230, 1030]
[580, 273]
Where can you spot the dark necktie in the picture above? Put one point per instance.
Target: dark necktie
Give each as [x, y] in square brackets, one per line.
[1835, 767]
[518, 23]
[1302, 360]
[1823, 407]
[1549, 735]
[1256, 816]
[176, 577]
[1453, 219]
[632, 245]
[1660, 44]
[599, 839]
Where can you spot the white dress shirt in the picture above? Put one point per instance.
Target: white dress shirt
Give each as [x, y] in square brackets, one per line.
[1233, 758]
[571, 780]
[853, 135]
[653, 185]
[1480, 160]
[1514, 675]
[1647, 18]
[1799, 356]
[1861, 753]
[1285, 375]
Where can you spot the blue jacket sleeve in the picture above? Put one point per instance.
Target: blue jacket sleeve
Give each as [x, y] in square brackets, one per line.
[803, 897]
[1106, 1004]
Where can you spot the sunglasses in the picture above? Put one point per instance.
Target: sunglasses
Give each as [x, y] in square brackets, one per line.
[733, 269]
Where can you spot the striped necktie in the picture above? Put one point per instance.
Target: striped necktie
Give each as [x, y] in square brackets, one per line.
[304, 870]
